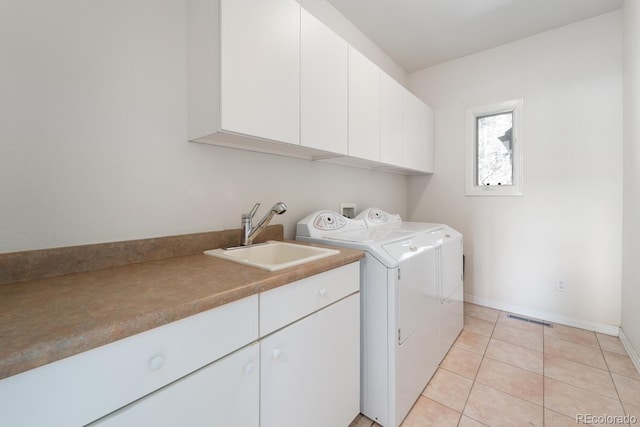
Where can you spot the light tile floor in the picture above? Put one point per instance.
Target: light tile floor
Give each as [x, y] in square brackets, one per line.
[507, 372]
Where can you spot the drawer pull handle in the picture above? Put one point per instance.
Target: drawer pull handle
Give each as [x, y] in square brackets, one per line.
[248, 368]
[322, 292]
[276, 353]
[155, 362]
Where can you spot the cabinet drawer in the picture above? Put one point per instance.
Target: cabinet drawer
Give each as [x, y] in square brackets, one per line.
[286, 304]
[87, 386]
[225, 393]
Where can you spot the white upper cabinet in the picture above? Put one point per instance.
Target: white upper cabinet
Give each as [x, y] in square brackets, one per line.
[418, 134]
[260, 68]
[406, 128]
[391, 121]
[267, 76]
[364, 107]
[324, 86]
[244, 70]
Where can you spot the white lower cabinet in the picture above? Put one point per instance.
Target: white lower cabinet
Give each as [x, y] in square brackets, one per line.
[87, 386]
[207, 369]
[225, 393]
[310, 370]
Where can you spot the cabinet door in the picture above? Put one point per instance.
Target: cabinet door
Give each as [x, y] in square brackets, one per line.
[391, 121]
[324, 85]
[418, 134]
[364, 107]
[260, 68]
[310, 370]
[225, 393]
[81, 388]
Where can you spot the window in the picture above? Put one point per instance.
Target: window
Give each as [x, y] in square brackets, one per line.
[494, 150]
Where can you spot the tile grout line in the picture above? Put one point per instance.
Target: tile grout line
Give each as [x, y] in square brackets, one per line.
[512, 395]
[580, 363]
[510, 343]
[476, 374]
[473, 383]
[615, 386]
[601, 395]
[600, 348]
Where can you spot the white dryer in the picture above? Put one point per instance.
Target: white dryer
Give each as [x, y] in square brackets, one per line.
[401, 288]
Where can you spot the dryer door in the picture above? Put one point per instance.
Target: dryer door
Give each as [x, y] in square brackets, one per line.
[418, 299]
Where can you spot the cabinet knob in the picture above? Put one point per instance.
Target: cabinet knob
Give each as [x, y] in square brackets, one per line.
[322, 292]
[248, 368]
[276, 353]
[155, 362]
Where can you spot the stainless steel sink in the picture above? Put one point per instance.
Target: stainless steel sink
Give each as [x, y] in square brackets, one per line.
[273, 255]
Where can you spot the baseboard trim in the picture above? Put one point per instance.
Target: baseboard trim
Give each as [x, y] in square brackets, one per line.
[630, 350]
[602, 328]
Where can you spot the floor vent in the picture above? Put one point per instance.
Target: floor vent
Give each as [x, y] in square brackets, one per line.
[524, 319]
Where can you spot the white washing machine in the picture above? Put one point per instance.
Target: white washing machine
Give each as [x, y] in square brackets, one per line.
[451, 292]
[401, 305]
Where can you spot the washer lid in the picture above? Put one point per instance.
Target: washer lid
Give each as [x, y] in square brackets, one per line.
[377, 218]
[412, 245]
[368, 235]
[425, 227]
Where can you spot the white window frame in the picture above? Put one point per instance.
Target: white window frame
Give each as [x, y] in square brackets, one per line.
[472, 188]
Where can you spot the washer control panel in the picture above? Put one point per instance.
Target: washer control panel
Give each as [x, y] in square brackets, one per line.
[323, 222]
[329, 221]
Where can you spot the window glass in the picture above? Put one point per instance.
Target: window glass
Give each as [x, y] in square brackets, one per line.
[494, 149]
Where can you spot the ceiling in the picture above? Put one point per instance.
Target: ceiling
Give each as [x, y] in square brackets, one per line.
[417, 34]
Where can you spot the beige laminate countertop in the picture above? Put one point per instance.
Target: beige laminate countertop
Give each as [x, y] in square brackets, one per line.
[45, 320]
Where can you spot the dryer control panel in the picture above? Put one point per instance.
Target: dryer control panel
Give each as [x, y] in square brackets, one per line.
[375, 217]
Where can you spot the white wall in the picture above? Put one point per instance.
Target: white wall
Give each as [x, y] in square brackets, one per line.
[568, 223]
[93, 144]
[631, 246]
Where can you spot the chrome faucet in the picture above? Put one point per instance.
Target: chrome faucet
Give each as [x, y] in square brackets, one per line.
[249, 232]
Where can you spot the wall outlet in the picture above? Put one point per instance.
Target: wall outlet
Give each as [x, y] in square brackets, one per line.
[561, 285]
[348, 209]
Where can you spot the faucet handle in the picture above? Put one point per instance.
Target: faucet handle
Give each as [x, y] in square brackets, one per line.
[253, 211]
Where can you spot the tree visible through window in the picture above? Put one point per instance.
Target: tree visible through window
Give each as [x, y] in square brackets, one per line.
[494, 149]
